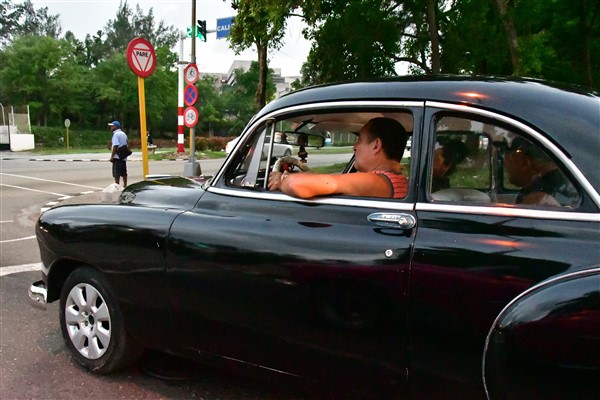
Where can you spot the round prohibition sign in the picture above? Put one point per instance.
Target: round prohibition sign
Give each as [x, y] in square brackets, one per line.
[190, 117]
[191, 73]
[190, 95]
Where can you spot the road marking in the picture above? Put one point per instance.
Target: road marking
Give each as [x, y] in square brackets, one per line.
[16, 240]
[33, 190]
[50, 180]
[15, 269]
[6, 222]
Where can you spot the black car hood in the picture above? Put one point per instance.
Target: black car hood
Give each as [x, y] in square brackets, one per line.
[168, 192]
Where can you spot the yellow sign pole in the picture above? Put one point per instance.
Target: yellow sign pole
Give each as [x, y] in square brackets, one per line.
[143, 137]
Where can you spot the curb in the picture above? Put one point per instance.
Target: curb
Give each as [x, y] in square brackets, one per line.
[93, 160]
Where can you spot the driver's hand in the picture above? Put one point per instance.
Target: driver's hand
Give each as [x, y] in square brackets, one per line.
[275, 179]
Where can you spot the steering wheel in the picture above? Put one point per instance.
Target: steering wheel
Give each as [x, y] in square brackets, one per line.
[278, 166]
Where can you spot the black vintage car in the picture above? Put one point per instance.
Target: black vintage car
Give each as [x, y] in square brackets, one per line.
[472, 286]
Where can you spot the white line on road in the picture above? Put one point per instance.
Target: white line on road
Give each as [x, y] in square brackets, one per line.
[33, 190]
[6, 222]
[15, 269]
[16, 240]
[50, 180]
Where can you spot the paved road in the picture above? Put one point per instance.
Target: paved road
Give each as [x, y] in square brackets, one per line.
[34, 362]
[27, 186]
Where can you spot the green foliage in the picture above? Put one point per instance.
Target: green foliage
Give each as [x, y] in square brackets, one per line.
[128, 25]
[210, 106]
[90, 83]
[51, 137]
[211, 144]
[467, 41]
[23, 19]
[354, 41]
[258, 23]
[557, 39]
[238, 99]
[262, 24]
[36, 70]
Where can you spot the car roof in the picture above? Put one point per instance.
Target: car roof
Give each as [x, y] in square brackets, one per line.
[569, 115]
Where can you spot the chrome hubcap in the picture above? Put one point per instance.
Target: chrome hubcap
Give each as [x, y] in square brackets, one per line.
[88, 321]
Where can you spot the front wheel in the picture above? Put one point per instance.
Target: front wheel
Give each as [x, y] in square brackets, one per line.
[92, 324]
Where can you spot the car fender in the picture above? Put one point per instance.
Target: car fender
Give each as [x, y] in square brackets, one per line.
[547, 341]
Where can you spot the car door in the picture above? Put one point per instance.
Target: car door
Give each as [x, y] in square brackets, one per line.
[312, 288]
[478, 247]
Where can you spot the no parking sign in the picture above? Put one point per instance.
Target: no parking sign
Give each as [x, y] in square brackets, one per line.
[190, 95]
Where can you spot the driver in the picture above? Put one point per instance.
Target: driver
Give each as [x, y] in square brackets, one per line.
[377, 155]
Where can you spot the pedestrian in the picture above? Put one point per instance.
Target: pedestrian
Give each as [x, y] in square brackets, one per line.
[119, 167]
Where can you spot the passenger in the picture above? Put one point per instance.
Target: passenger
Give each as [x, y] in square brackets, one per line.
[378, 152]
[541, 182]
[446, 157]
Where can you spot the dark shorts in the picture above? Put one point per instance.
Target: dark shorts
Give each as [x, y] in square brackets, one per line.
[119, 168]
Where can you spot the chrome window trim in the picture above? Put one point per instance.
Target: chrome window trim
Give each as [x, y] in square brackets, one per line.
[319, 107]
[498, 210]
[334, 200]
[581, 179]
[508, 211]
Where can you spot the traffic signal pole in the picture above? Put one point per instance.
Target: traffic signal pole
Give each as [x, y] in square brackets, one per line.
[192, 168]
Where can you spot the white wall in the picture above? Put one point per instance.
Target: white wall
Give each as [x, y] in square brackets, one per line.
[21, 142]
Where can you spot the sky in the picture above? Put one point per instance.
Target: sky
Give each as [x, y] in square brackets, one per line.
[88, 16]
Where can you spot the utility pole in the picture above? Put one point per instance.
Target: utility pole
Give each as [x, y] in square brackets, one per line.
[192, 168]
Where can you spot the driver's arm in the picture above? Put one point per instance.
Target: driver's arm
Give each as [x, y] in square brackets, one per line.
[307, 185]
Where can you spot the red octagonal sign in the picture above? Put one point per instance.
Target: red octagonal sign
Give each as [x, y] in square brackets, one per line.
[141, 57]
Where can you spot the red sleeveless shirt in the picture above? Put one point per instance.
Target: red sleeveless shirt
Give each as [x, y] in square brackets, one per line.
[398, 184]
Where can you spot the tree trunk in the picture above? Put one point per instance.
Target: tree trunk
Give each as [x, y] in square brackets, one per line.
[511, 35]
[587, 30]
[433, 36]
[261, 90]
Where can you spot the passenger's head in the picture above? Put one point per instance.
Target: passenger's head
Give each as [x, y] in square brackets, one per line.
[524, 161]
[391, 133]
[447, 156]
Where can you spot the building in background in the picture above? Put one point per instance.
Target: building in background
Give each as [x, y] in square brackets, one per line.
[282, 83]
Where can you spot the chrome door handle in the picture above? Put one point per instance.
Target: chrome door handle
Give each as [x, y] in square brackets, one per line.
[391, 220]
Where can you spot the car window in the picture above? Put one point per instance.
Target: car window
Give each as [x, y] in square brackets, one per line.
[250, 163]
[323, 142]
[477, 161]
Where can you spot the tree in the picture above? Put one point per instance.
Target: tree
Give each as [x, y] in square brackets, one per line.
[210, 106]
[23, 19]
[128, 25]
[239, 98]
[555, 39]
[262, 24]
[511, 33]
[351, 40]
[470, 46]
[37, 70]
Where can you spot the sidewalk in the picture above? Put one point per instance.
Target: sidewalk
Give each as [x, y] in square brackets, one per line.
[80, 157]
